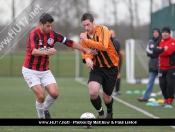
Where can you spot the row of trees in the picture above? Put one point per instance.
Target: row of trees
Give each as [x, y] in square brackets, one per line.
[67, 14]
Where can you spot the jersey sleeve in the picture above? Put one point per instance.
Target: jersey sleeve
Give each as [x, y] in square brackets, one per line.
[58, 37]
[149, 49]
[32, 43]
[168, 50]
[104, 38]
[84, 55]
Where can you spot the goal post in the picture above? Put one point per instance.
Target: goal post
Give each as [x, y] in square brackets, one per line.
[79, 65]
[137, 62]
[129, 45]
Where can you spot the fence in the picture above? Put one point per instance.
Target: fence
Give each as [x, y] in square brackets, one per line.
[164, 17]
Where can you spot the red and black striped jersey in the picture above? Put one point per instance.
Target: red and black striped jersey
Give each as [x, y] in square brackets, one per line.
[40, 41]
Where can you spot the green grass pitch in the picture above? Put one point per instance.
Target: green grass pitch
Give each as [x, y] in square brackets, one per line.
[18, 101]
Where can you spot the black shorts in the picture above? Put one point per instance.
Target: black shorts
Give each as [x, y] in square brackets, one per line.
[120, 63]
[104, 76]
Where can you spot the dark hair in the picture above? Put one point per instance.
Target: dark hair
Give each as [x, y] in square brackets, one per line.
[156, 29]
[159, 37]
[166, 29]
[45, 17]
[87, 16]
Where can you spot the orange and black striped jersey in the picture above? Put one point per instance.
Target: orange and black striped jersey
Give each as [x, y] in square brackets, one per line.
[107, 55]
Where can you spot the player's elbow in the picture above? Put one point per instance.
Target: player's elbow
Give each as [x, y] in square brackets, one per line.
[104, 48]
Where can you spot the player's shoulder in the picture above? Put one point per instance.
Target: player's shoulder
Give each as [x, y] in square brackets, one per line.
[151, 41]
[85, 32]
[102, 27]
[34, 32]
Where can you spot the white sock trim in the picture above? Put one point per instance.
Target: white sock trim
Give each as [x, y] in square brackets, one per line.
[40, 109]
[100, 109]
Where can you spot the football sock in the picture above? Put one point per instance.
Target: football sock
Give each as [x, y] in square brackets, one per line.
[97, 104]
[170, 100]
[165, 100]
[48, 101]
[109, 106]
[40, 109]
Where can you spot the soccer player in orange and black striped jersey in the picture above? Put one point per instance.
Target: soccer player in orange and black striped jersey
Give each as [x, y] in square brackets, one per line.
[104, 65]
[36, 65]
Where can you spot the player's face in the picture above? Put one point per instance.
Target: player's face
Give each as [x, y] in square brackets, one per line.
[46, 27]
[156, 34]
[165, 35]
[112, 33]
[88, 26]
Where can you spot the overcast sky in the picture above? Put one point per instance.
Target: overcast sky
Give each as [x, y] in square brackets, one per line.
[96, 5]
[122, 11]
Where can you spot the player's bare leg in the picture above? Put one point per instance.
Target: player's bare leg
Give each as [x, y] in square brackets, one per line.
[52, 90]
[94, 88]
[39, 92]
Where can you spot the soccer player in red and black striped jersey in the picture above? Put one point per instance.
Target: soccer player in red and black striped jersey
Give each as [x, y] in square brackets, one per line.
[104, 65]
[36, 65]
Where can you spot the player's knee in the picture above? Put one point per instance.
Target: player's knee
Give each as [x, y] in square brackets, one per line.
[54, 94]
[41, 98]
[107, 99]
[93, 95]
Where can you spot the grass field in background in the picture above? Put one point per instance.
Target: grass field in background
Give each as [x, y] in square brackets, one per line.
[18, 101]
[62, 64]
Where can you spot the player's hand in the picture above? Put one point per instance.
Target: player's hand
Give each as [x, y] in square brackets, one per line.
[83, 36]
[90, 51]
[51, 51]
[159, 47]
[118, 76]
[89, 63]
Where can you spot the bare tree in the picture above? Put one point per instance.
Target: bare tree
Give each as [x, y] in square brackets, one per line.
[170, 2]
[87, 6]
[114, 3]
[137, 20]
[104, 11]
[68, 18]
[130, 6]
[13, 9]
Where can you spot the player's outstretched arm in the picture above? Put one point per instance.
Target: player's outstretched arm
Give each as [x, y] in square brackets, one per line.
[86, 50]
[70, 43]
[48, 52]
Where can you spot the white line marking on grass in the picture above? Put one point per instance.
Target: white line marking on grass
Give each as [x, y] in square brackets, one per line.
[80, 80]
[136, 108]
